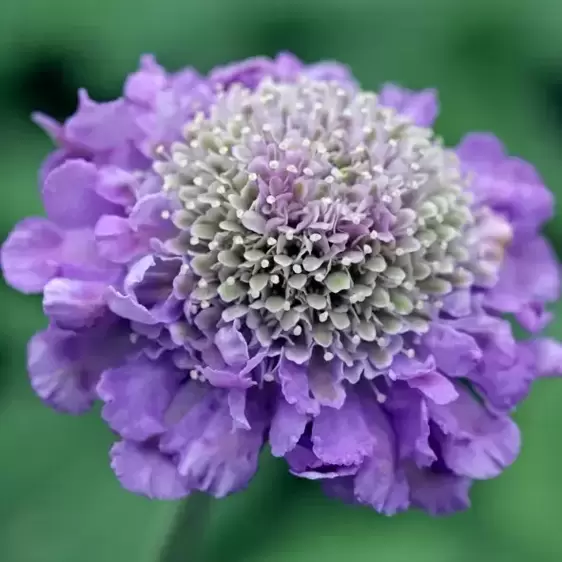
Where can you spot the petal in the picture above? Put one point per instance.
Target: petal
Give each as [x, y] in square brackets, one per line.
[249, 72]
[137, 396]
[70, 198]
[287, 427]
[325, 382]
[73, 304]
[116, 240]
[147, 217]
[548, 357]
[438, 493]
[341, 437]
[211, 455]
[410, 420]
[379, 482]
[436, 387]
[143, 86]
[456, 353]
[99, 126]
[330, 71]
[116, 185]
[232, 346]
[477, 443]
[224, 378]
[509, 186]
[237, 407]
[145, 470]
[529, 278]
[294, 384]
[58, 367]
[421, 107]
[30, 255]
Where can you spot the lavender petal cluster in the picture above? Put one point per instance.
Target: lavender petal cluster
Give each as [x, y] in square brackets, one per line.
[268, 256]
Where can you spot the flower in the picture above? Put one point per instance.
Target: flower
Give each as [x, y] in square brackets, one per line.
[269, 255]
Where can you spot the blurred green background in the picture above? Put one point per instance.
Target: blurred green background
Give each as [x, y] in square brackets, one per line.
[498, 67]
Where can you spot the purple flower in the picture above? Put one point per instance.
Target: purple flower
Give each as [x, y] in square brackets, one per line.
[269, 255]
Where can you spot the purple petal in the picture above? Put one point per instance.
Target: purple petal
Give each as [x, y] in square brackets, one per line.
[30, 255]
[294, 384]
[325, 382]
[237, 407]
[529, 278]
[224, 378]
[455, 352]
[115, 239]
[478, 444]
[116, 185]
[287, 427]
[73, 304]
[341, 437]
[435, 386]
[421, 107]
[58, 367]
[410, 420]
[70, 198]
[379, 482]
[548, 357]
[232, 346]
[100, 126]
[137, 396]
[438, 493]
[211, 455]
[143, 86]
[144, 470]
[147, 217]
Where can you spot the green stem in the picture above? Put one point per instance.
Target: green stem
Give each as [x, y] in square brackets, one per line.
[185, 539]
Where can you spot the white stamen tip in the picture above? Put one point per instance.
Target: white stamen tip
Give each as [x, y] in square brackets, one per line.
[373, 235]
[253, 176]
[230, 281]
[134, 338]
[346, 262]
[190, 205]
[268, 377]
[275, 279]
[165, 215]
[356, 339]
[274, 164]
[308, 172]
[315, 237]
[264, 263]
[270, 199]
[202, 283]
[238, 240]
[194, 240]
[205, 304]
[323, 316]
[292, 169]
[289, 235]
[328, 356]
[297, 268]
[286, 306]
[297, 330]
[367, 249]
[271, 241]
[194, 374]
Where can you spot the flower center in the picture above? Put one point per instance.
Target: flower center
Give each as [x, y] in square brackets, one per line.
[313, 214]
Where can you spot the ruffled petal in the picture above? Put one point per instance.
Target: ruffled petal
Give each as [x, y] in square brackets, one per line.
[477, 444]
[70, 198]
[100, 126]
[529, 278]
[380, 482]
[143, 86]
[341, 437]
[438, 493]
[287, 427]
[137, 396]
[116, 185]
[212, 457]
[456, 353]
[144, 470]
[410, 420]
[232, 346]
[57, 362]
[294, 385]
[421, 107]
[548, 357]
[115, 239]
[73, 304]
[30, 255]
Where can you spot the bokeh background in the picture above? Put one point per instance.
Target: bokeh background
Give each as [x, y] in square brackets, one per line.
[498, 67]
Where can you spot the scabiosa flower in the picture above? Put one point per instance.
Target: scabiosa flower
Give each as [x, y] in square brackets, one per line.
[268, 255]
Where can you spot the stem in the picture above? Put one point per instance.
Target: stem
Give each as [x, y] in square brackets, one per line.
[184, 541]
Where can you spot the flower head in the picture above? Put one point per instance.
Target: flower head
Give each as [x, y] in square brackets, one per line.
[269, 255]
